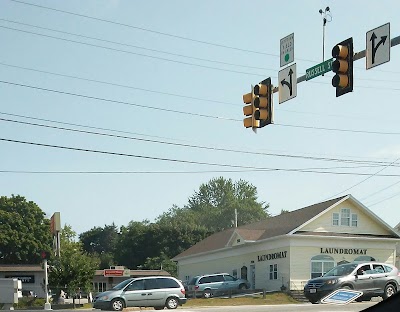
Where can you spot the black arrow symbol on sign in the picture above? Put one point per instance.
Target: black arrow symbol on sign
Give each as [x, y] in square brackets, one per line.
[374, 48]
[289, 84]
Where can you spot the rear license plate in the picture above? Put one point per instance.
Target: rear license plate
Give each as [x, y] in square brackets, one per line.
[313, 291]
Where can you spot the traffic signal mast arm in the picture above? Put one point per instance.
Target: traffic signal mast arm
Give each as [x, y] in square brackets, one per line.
[357, 56]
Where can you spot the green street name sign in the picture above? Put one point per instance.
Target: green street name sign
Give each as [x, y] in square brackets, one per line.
[319, 69]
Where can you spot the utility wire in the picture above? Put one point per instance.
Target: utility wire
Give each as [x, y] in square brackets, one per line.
[381, 190]
[362, 181]
[166, 52]
[187, 113]
[364, 163]
[190, 161]
[181, 62]
[85, 126]
[190, 97]
[385, 199]
[115, 101]
[133, 53]
[144, 29]
[137, 47]
[159, 137]
[115, 84]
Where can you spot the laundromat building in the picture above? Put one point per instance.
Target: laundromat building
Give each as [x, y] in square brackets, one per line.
[285, 251]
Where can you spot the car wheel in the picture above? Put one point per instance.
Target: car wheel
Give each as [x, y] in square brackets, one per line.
[117, 305]
[207, 294]
[242, 286]
[390, 290]
[172, 303]
[313, 301]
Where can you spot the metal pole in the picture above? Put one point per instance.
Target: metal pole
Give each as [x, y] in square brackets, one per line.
[47, 305]
[323, 39]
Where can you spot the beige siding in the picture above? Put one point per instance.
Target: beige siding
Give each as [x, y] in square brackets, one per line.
[228, 264]
[366, 224]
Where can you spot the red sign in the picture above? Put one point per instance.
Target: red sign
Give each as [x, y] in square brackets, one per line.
[113, 272]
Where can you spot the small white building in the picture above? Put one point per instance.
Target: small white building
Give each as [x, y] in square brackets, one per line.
[30, 275]
[289, 249]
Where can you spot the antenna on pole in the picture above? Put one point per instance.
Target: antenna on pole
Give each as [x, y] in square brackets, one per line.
[326, 17]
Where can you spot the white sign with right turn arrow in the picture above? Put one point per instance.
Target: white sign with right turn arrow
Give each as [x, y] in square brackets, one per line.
[378, 46]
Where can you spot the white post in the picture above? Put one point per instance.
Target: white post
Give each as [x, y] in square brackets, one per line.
[236, 218]
[47, 305]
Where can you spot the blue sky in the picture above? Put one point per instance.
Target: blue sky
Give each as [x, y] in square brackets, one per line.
[164, 81]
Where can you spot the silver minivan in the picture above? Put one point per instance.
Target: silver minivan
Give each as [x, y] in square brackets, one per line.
[154, 291]
[213, 284]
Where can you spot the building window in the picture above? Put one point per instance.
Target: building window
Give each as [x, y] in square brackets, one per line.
[99, 287]
[243, 272]
[354, 219]
[365, 258]
[320, 265]
[335, 219]
[273, 271]
[345, 217]
[234, 273]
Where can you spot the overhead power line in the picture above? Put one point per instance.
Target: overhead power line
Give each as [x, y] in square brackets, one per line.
[138, 47]
[132, 53]
[385, 199]
[362, 181]
[116, 84]
[364, 163]
[379, 191]
[116, 101]
[145, 29]
[185, 112]
[190, 161]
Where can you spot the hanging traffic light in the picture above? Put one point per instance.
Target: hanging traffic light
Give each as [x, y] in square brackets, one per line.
[249, 110]
[343, 67]
[263, 103]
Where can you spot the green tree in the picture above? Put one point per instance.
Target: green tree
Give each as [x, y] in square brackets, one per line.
[161, 262]
[213, 206]
[101, 242]
[135, 245]
[24, 231]
[74, 269]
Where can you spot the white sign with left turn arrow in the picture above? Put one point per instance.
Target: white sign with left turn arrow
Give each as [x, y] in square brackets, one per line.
[287, 78]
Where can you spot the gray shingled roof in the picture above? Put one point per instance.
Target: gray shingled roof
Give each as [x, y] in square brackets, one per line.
[271, 227]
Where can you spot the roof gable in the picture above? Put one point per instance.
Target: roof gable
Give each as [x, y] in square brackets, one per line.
[268, 228]
[367, 222]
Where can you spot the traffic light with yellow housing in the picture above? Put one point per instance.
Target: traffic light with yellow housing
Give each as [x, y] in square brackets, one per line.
[342, 66]
[263, 102]
[260, 107]
[249, 110]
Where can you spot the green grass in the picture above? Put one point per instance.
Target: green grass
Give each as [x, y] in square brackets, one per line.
[271, 298]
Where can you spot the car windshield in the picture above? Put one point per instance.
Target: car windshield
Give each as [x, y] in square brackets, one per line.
[341, 270]
[122, 284]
